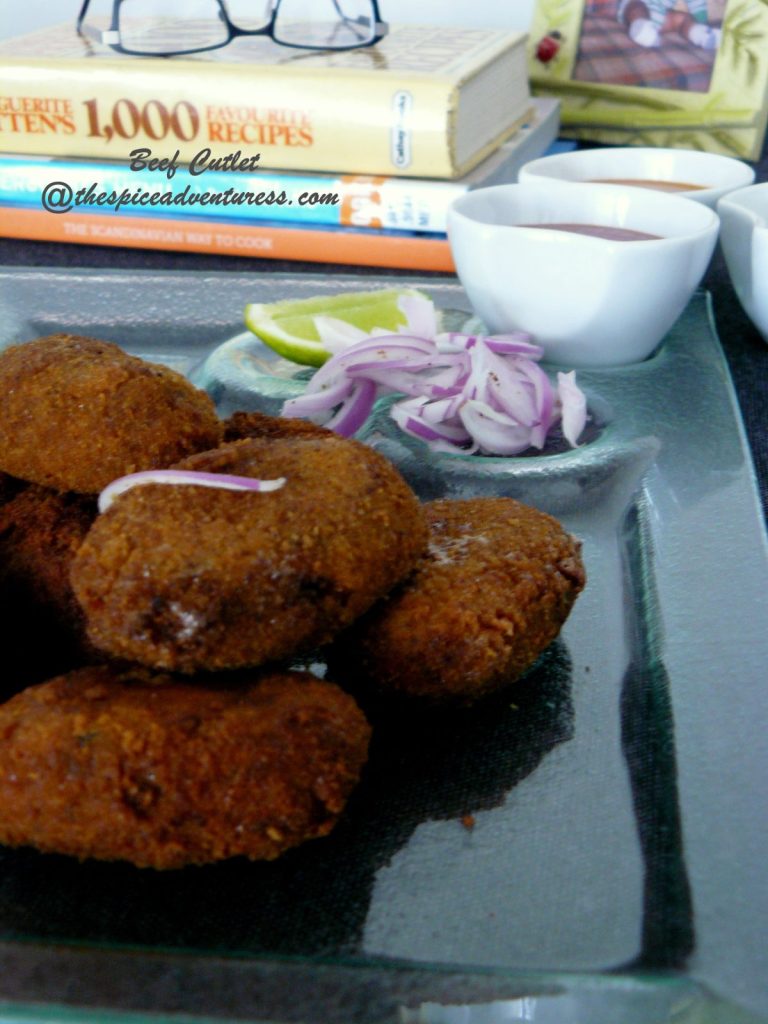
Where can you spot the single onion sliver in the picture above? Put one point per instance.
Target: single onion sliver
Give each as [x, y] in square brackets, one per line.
[381, 344]
[409, 417]
[441, 409]
[420, 313]
[380, 348]
[509, 390]
[393, 380]
[542, 388]
[573, 407]
[353, 413]
[506, 344]
[337, 335]
[222, 481]
[494, 432]
[319, 401]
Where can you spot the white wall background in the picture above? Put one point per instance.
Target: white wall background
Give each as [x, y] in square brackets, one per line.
[17, 17]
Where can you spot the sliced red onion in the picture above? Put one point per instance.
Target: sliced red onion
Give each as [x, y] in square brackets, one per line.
[431, 360]
[388, 347]
[506, 344]
[494, 432]
[407, 417]
[544, 397]
[420, 313]
[397, 342]
[454, 373]
[395, 380]
[355, 411]
[573, 407]
[464, 392]
[478, 381]
[314, 403]
[509, 391]
[448, 342]
[414, 365]
[184, 477]
[337, 335]
[451, 449]
[514, 343]
[442, 410]
[419, 428]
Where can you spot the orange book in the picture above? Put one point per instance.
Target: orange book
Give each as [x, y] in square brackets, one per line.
[364, 247]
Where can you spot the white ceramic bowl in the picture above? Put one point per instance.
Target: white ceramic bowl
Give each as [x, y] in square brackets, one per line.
[716, 174]
[589, 301]
[744, 239]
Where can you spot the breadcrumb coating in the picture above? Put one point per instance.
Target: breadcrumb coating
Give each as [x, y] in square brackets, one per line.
[191, 578]
[40, 531]
[492, 591]
[242, 425]
[135, 766]
[77, 413]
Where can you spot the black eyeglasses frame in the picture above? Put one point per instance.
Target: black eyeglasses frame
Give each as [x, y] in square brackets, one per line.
[111, 36]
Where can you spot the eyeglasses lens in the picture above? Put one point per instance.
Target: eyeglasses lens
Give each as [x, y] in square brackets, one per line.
[171, 26]
[325, 23]
[176, 26]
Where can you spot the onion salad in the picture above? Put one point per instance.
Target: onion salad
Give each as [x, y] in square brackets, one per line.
[462, 393]
[187, 477]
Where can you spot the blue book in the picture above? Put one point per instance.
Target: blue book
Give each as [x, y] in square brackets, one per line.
[279, 197]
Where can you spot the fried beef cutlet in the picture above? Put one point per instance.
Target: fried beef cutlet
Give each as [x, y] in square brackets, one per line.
[76, 413]
[40, 531]
[193, 578]
[9, 487]
[137, 766]
[491, 592]
[242, 425]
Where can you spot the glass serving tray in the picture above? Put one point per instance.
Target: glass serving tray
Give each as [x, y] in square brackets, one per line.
[591, 846]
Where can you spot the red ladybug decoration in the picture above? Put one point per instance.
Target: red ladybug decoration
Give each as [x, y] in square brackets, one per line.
[548, 46]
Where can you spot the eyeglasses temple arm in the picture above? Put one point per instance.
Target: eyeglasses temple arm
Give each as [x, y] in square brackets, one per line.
[381, 28]
[81, 15]
[108, 37]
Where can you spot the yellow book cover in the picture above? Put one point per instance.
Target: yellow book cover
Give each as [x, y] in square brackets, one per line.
[682, 73]
[426, 101]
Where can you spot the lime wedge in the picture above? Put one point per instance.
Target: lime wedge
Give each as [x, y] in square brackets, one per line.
[289, 327]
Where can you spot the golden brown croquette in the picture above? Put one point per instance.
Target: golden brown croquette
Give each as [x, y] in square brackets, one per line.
[76, 413]
[10, 487]
[136, 766]
[40, 531]
[491, 592]
[242, 425]
[193, 578]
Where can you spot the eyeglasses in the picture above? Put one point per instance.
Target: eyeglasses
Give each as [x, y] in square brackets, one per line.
[193, 26]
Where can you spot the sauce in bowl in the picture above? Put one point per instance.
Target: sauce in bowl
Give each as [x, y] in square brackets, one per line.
[614, 234]
[654, 183]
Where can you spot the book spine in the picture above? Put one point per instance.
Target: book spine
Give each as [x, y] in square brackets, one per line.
[316, 245]
[337, 120]
[333, 200]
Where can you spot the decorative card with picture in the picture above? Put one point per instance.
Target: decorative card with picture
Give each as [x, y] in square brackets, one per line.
[684, 73]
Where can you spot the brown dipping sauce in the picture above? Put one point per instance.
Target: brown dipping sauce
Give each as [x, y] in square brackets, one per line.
[598, 231]
[660, 186]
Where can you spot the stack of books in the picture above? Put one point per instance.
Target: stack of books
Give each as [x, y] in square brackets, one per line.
[259, 150]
